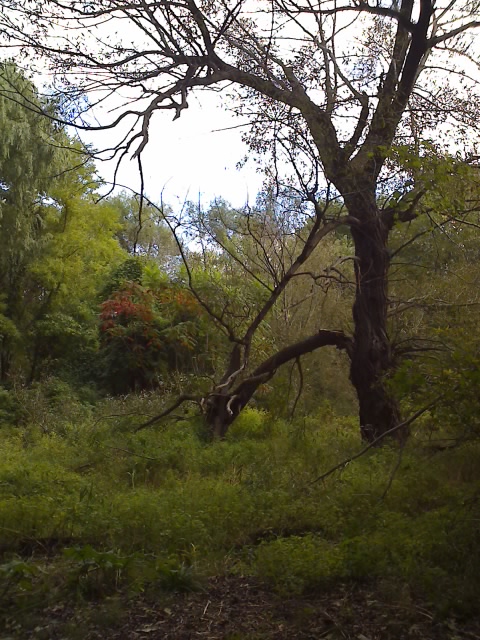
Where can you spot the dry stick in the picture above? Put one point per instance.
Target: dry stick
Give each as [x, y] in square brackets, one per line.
[140, 206]
[181, 399]
[131, 453]
[300, 388]
[344, 463]
[394, 471]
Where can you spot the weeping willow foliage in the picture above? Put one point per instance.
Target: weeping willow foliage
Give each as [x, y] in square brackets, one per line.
[47, 222]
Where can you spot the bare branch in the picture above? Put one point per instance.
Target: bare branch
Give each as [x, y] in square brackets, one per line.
[183, 398]
[300, 387]
[378, 440]
[433, 42]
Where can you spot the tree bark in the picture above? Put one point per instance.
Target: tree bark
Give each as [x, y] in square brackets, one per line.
[371, 355]
[226, 402]
[5, 360]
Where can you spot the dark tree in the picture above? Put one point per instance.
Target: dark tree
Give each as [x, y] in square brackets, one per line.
[333, 85]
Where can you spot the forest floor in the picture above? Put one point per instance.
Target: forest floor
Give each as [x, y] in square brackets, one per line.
[239, 608]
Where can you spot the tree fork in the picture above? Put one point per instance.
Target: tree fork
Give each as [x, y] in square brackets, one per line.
[225, 403]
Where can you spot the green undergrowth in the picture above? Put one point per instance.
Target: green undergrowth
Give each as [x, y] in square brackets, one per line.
[92, 508]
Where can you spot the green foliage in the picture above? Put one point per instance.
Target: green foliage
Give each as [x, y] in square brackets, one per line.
[153, 509]
[251, 423]
[17, 574]
[11, 410]
[83, 573]
[67, 346]
[97, 574]
[26, 152]
[452, 380]
[58, 244]
[8, 330]
[130, 270]
[296, 564]
[52, 406]
[143, 231]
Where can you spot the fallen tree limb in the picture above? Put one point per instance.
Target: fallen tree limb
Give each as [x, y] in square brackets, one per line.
[267, 369]
[401, 425]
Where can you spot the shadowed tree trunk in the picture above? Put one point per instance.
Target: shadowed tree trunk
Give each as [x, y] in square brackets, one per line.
[224, 405]
[371, 356]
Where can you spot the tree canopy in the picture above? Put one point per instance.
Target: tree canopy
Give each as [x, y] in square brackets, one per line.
[57, 244]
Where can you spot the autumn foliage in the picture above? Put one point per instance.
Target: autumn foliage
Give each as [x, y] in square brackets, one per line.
[146, 334]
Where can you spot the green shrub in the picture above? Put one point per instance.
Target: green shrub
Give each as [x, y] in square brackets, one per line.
[246, 502]
[11, 410]
[297, 564]
[251, 423]
[96, 574]
[52, 405]
[17, 574]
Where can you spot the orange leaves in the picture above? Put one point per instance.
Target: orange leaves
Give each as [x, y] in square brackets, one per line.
[180, 298]
[135, 303]
[144, 332]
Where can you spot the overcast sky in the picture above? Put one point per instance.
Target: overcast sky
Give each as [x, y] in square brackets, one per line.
[188, 158]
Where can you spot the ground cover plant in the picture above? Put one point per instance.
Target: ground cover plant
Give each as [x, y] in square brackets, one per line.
[92, 511]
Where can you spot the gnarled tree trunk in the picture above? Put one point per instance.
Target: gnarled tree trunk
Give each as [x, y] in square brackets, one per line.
[371, 355]
[225, 403]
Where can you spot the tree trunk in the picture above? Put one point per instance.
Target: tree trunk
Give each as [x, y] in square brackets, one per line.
[226, 402]
[5, 360]
[220, 414]
[371, 355]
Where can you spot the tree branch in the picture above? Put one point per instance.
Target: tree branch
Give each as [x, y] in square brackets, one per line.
[183, 398]
[393, 430]
[268, 368]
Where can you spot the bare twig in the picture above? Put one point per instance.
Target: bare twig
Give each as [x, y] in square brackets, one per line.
[180, 400]
[300, 387]
[402, 425]
[394, 470]
[131, 453]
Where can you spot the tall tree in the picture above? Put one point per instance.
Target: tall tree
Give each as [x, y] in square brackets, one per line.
[28, 161]
[330, 85]
[143, 230]
[62, 282]
[57, 243]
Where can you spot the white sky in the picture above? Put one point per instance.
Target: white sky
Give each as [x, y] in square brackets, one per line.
[188, 158]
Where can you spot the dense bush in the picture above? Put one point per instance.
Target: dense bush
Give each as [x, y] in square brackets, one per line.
[145, 334]
[249, 504]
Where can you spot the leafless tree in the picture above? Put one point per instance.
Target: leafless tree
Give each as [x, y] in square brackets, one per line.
[331, 85]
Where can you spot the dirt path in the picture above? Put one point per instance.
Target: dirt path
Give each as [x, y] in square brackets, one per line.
[233, 608]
